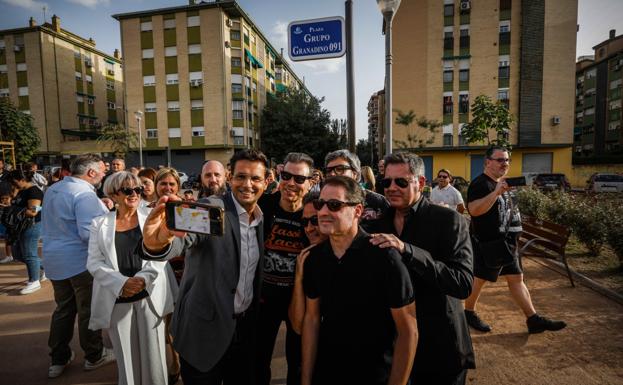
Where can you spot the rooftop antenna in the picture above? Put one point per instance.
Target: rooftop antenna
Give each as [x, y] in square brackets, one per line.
[44, 8]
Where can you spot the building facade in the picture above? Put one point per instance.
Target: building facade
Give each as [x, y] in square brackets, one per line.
[521, 53]
[69, 87]
[201, 74]
[376, 124]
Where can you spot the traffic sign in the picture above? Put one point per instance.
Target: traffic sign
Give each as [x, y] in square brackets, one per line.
[316, 38]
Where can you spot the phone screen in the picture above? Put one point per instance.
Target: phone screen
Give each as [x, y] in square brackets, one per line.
[196, 220]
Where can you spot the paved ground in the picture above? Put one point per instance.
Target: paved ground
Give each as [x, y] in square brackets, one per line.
[589, 351]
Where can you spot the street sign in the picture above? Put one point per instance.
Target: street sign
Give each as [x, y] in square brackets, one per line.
[316, 38]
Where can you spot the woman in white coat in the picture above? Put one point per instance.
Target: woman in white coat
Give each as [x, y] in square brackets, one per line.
[130, 296]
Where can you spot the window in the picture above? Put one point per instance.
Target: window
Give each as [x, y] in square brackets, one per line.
[77, 52]
[89, 78]
[169, 23]
[170, 51]
[236, 88]
[196, 78]
[194, 48]
[464, 38]
[463, 103]
[172, 79]
[19, 40]
[173, 105]
[235, 62]
[152, 133]
[239, 140]
[505, 26]
[234, 34]
[589, 111]
[150, 107]
[447, 139]
[448, 76]
[505, 5]
[504, 72]
[175, 133]
[237, 109]
[22, 91]
[148, 53]
[21, 67]
[198, 131]
[146, 26]
[110, 84]
[464, 75]
[110, 105]
[448, 10]
[2, 44]
[149, 80]
[505, 32]
[503, 95]
[196, 104]
[447, 104]
[192, 21]
[78, 75]
[79, 99]
[448, 40]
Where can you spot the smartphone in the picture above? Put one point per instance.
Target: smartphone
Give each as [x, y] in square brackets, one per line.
[195, 217]
[516, 182]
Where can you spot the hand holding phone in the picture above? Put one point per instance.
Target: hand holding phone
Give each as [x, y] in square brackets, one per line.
[195, 217]
[516, 181]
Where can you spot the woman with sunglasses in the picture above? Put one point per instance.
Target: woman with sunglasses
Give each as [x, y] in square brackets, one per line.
[130, 296]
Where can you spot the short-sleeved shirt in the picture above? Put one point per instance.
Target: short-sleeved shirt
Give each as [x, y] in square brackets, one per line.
[447, 195]
[29, 194]
[502, 215]
[356, 293]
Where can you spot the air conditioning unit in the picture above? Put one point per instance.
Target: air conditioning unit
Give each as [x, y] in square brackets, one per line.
[111, 72]
[195, 82]
[17, 48]
[556, 120]
[465, 5]
[232, 133]
[229, 23]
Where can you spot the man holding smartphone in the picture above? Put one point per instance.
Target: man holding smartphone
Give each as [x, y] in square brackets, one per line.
[214, 324]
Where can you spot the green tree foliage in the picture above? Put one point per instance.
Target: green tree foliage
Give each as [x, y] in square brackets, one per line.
[295, 121]
[18, 127]
[120, 139]
[418, 138]
[487, 116]
[364, 152]
[339, 128]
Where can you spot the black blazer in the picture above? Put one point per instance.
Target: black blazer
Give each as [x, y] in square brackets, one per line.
[203, 323]
[438, 255]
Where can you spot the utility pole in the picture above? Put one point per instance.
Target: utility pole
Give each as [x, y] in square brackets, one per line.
[350, 82]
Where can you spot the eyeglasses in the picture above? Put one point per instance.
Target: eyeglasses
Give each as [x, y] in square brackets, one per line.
[338, 170]
[501, 160]
[443, 176]
[313, 220]
[241, 178]
[333, 204]
[299, 179]
[128, 190]
[400, 182]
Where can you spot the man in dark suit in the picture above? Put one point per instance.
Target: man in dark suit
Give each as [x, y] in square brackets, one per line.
[435, 247]
[215, 314]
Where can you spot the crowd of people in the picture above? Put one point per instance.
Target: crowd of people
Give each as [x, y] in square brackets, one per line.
[375, 282]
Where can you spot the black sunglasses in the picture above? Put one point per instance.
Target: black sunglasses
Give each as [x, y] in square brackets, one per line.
[332, 204]
[128, 191]
[400, 182]
[313, 220]
[299, 179]
[339, 170]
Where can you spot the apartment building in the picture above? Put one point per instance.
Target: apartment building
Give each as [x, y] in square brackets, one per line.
[201, 74]
[376, 124]
[447, 52]
[69, 87]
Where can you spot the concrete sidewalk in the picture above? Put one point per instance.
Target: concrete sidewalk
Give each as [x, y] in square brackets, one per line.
[588, 351]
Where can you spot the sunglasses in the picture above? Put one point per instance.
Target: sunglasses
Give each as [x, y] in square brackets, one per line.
[333, 204]
[443, 176]
[338, 170]
[400, 182]
[128, 191]
[313, 220]
[299, 179]
[501, 160]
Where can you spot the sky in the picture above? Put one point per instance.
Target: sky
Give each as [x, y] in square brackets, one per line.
[324, 78]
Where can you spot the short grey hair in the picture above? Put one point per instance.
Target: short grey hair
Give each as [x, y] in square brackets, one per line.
[120, 179]
[83, 163]
[416, 164]
[299, 157]
[352, 159]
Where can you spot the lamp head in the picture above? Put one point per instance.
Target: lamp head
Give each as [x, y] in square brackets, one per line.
[138, 115]
[388, 6]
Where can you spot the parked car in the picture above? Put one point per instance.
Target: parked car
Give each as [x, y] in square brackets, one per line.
[550, 182]
[603, 182]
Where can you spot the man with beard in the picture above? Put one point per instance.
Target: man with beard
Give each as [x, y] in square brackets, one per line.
[284, 240]
[212, 179]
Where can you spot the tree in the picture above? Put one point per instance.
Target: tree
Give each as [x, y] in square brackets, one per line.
[339, 128]
[419, 138]
[18, 127]
[295, 121]
[487, 116]
[120, 139]
[364, 152]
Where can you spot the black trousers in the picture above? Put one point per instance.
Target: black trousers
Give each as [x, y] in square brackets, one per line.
[272, 313]
[236, 367]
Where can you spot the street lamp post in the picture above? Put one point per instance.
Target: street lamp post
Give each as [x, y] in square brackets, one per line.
[388, 8]
[139, 116]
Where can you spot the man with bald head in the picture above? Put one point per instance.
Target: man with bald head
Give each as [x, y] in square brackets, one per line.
[212, 179]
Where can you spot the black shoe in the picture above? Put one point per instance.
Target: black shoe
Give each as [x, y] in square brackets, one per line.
[474, 321]
[539, 324]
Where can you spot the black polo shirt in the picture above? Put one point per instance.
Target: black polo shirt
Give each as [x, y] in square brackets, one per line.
[356, 294]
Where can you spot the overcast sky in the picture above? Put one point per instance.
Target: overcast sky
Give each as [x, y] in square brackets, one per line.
[324, 78]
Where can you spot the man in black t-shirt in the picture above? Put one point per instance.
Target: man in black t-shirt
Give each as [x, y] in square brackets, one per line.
[359, 325]
[284, 239]
[495, 215]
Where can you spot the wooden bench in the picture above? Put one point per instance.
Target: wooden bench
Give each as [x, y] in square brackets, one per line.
[544, 239]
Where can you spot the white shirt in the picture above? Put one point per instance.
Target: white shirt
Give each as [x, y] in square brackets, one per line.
[249, 256]
[446, 196]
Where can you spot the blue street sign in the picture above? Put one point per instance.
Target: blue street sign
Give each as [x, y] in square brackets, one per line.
[316, 38]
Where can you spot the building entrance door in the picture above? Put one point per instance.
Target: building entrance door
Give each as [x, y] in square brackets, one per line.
[477, 165]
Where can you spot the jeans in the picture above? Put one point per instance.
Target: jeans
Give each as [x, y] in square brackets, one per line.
[26, 250]
[73, 296]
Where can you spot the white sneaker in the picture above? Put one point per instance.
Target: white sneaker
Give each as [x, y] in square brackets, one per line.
[107, 357]
[7, 259]
[42, 277]
[31, 287]
[56, 370]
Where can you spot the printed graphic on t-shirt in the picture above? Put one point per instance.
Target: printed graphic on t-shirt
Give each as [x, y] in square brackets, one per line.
[281, 249]
[508, 213]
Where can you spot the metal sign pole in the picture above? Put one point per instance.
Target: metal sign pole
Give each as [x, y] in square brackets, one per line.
[350, 82]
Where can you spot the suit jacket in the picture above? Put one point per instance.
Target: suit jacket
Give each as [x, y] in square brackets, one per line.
[438, 255]
[203, 323]
[108, 281]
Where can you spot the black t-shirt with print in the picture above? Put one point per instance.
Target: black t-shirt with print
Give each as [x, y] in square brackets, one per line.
[494, 222]
[30, 193]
